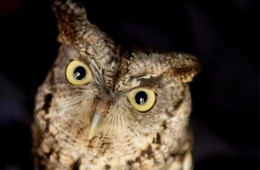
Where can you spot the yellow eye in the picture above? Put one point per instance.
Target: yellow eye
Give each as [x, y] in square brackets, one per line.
[78, 73]
[142, 99]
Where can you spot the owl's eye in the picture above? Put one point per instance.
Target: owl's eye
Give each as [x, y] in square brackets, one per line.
[142, 99]
[78, 73]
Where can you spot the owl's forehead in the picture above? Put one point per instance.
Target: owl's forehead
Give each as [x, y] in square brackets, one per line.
[118, 69]
[125, 70]
[144, 64]
[143, 69]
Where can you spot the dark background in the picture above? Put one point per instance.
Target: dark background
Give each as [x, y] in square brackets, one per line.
[223, 34]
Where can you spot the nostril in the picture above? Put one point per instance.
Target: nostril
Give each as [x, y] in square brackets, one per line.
[103, 104]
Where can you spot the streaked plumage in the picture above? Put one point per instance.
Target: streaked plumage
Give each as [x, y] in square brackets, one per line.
[94, 125]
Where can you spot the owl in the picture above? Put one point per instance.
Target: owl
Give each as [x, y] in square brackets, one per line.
[103, 106]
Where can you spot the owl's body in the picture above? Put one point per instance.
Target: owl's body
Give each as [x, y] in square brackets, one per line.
[126, 134]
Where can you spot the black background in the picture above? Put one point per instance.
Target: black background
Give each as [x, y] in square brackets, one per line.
[223, 34]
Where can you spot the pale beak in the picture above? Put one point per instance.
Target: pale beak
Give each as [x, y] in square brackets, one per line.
[102, 107]
[95, 123]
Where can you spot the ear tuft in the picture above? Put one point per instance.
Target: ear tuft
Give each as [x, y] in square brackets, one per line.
[76, 30]
[185, 66]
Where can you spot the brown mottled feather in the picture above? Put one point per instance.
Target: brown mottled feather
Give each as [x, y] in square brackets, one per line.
[127, 139]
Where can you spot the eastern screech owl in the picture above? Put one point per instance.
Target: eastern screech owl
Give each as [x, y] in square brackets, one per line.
[103, 107]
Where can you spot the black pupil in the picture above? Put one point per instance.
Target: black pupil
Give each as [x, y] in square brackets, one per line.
[141, 97]
[80, 73]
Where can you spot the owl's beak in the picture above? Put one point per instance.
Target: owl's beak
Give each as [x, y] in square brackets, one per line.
[102, 107]
[96, 121]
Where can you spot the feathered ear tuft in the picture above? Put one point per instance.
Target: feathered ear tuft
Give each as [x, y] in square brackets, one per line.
[76, 30]
[185, 66]
[72, 18]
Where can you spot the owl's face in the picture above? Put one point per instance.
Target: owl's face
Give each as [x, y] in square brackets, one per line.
[144, 104]
[126, 105]
[137, 102]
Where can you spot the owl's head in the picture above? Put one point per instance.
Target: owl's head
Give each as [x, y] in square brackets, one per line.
[105, 94]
